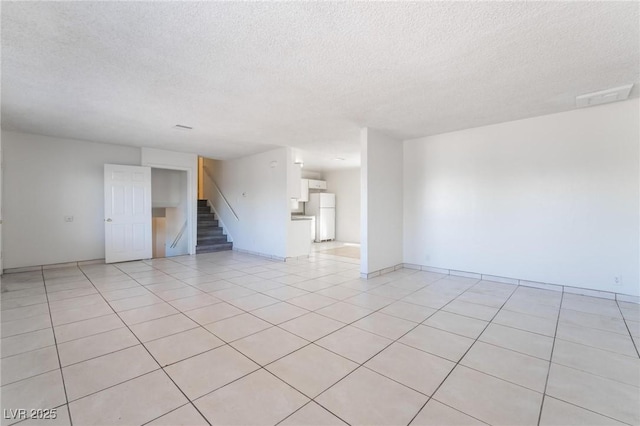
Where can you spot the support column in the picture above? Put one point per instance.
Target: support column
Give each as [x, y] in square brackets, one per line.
[381, 202]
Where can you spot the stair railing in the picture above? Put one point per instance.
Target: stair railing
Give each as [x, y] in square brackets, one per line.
[215, 185]
[175, 242]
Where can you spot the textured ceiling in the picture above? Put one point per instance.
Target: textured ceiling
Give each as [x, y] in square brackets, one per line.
[247, 76]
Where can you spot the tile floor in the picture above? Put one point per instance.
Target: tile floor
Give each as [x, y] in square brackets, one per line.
[233, 339]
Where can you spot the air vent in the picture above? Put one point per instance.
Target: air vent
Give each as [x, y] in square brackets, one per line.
[604, 96]
[182, 127]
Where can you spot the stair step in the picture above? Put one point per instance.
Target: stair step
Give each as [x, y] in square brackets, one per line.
[215, 233]
[212, 239]
[209, 248]
[210, 236]
[203, 238]
[211, 230]
[208, 224]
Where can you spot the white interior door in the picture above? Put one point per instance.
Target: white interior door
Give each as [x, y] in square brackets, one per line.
[127, 213]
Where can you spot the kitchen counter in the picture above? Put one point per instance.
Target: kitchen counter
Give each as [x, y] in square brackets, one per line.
[296, 217]
[298, 241]
[301, 217]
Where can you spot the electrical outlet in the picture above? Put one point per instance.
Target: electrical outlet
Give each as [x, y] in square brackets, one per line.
[617, 280]
[68, 218]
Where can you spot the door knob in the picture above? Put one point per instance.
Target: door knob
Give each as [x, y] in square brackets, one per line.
[108, 220]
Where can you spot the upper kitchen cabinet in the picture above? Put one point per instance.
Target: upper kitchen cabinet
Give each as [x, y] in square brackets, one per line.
[293, 180]
[317, 184]
[304, 190]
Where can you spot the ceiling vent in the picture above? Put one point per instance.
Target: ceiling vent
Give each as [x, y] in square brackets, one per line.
[182, 127]
[604, 96]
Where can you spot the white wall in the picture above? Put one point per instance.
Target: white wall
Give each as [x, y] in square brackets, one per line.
[168, 187]
[46, 179]
[179, 161]
[553, 199]
[258, 194]
[311, 174]
[381, 201]
[346, 185]
[1, 174]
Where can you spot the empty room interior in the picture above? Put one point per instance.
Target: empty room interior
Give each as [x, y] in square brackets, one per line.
[320, 213]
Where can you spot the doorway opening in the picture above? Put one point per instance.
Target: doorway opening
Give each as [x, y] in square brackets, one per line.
[170, 212]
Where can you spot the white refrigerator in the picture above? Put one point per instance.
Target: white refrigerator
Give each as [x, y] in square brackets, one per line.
[323, 206]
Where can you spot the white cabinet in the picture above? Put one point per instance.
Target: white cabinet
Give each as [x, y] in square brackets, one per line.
[298, 243]
[305, 186]
[317, 184]
[293, 181]
[304, 190]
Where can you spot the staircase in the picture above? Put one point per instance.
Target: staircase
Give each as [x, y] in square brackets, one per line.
[210, 236]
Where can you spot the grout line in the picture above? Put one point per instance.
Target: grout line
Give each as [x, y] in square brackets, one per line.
[101, 355]
[27, 332]
[80, 320]
[207, 351]
[628, 329]
[362, 365]
[308, 402]
[26, 352]
[598, 347]
[25, 306]
[584, 408]
[35, 375]
[203, 325]
[55, 341]
[167, 302]
[263, 367]
[151, 355]
[238, 264]
[453, 408]
[172, 411]
[117, 384]
[311, 401]
[468, 349]
[553, 345]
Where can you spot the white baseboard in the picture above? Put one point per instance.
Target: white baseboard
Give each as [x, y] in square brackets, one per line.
[265, 255]
[516, 281]
[53, 266]
[367, 275]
